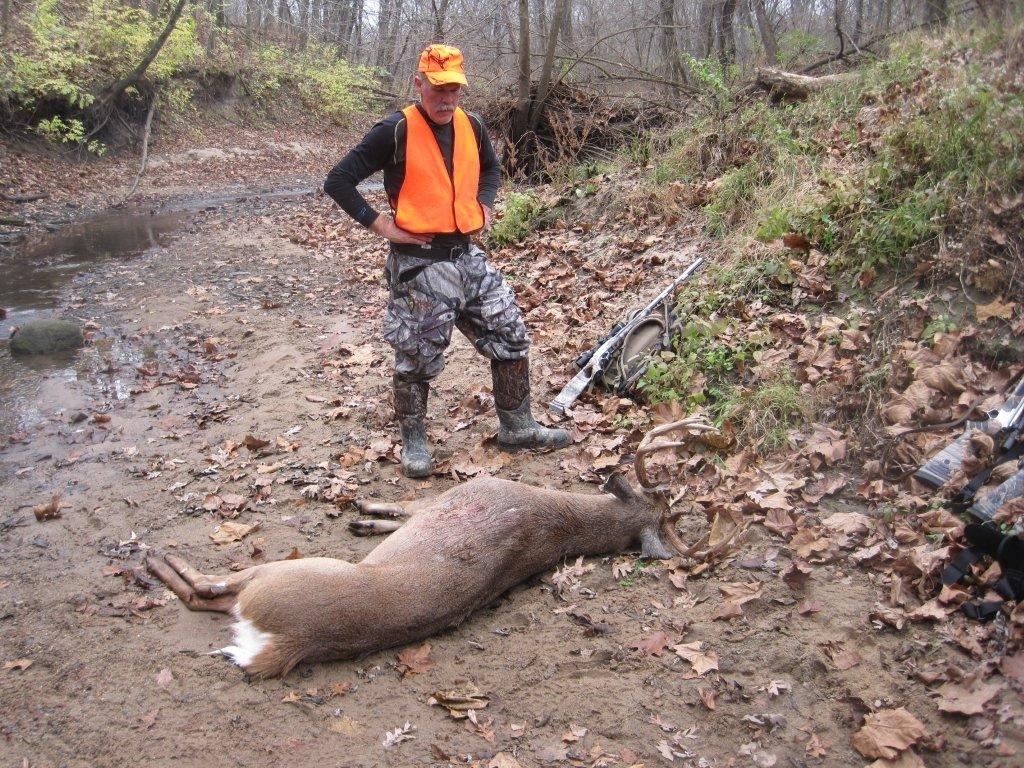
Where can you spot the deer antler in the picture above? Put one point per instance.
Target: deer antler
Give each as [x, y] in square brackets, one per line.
[696, 427]
[697, 424]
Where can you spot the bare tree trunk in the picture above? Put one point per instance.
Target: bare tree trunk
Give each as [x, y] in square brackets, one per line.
[112, 92]
[522, 116]
[567, 30]
[303, 10]
[440, 11]
[284, 18]
[670, 44]
[387, 34]
[936, 12]
[549, 61]
[766, 31]
[5, 20]
[858, 21]
[789, 85]
[542, 19]
[727, 35]
[708, 28]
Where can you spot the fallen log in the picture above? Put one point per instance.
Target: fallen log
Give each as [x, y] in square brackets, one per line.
[789, 85]
[31, 198]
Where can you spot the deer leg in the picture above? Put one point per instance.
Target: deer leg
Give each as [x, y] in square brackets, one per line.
[185, 592]
[204, 585]
[374, 527]
[380, 509]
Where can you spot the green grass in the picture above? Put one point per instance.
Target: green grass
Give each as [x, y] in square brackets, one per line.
[764, 414]
[522, 213]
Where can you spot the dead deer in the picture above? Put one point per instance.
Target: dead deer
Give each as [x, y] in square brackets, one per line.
[456, 553]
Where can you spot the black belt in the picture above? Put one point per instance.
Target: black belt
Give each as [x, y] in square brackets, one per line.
[431, 252]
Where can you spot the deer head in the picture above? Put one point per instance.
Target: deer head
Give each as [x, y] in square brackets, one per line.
[693, 429]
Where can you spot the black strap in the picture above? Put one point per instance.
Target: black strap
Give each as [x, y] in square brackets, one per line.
[986, 540]
[960, 565]
[982, 610]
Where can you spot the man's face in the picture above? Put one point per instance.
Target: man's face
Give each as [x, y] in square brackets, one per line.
[439, 101]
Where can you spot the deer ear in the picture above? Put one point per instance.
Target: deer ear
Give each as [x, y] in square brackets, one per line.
[619, 487]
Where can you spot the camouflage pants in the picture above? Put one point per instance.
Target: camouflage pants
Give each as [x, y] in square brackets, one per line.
[430, 298]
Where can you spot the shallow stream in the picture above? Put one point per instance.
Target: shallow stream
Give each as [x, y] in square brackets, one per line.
[36, 273]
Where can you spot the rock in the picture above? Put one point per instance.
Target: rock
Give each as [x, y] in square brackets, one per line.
[45, 337]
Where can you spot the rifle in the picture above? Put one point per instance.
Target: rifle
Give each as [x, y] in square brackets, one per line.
[1006, 425]
[593, 364]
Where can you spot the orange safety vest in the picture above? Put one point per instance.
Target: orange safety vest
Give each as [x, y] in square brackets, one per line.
[430, 201]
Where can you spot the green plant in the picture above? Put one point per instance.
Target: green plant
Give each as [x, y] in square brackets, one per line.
[635, 572]
[766, 413]
[522, 211]
[70, 131]
[705, 358]
[937, 325]
[796, 44]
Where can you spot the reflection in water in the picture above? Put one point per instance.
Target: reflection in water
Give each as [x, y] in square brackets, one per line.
[32, 279]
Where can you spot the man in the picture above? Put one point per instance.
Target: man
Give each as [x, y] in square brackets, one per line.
[441, 177]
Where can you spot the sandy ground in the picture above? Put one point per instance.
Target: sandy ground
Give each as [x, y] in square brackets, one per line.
[233, 330]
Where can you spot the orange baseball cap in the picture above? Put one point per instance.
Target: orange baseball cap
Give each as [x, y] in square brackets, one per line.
[442, 64]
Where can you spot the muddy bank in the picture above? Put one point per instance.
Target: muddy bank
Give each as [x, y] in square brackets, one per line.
[232, 329]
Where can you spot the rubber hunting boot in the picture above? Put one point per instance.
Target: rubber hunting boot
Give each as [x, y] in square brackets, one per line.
[411, 409]
[512, 402]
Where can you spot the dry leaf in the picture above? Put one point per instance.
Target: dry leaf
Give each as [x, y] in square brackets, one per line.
[701, 661]
[995, 308]
[797, 574]
[19, 664]
[1013, 666]
[164, 677]
[255, 443]
[50, 510]
[847, 523]
[730, 609]
[414, 661]
[779, 522]
[815, 747]
[888, 732]
[345, 725]
[503, 760]
[908, 759]
[707, 696]
[459, 701]
[805, 607]
[652, 645]
[796, 242]
[843, 658]
[963, 700]
[229, 532]
[554, 754]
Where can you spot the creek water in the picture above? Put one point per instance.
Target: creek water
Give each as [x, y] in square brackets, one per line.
[33, 278]
[35, 274]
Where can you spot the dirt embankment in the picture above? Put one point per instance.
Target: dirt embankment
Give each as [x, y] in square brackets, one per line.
[236, 330]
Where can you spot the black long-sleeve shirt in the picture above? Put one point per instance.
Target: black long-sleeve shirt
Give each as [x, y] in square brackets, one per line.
[383, 149]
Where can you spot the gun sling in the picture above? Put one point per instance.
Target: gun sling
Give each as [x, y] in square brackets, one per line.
[1007, 550]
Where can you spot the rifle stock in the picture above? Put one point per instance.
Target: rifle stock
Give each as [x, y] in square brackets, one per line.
[986, 508]
[941, 467]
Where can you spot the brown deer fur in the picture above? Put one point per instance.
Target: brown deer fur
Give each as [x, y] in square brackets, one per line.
[458, 552]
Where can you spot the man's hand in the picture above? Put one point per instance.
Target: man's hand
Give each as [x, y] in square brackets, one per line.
[385, 226]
